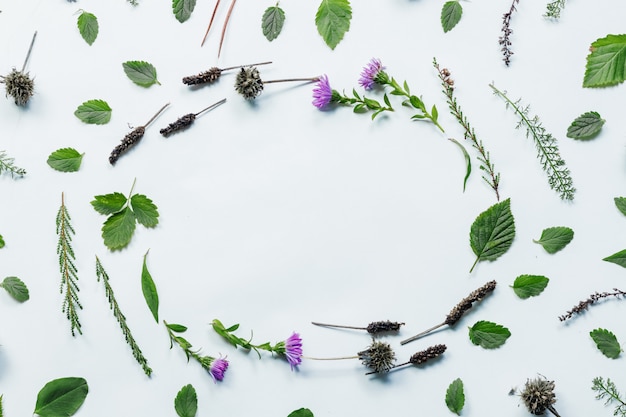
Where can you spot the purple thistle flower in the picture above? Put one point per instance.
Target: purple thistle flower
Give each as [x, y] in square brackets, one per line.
[218, 368]
[322, 93]
[370, 72]
[293, 350]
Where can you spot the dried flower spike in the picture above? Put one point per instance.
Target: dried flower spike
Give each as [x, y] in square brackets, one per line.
[132, 139]
[505, 39]
[457, 312]
[250, 85]
[185, 121]
[373, 328]
[538, 396]
[593, 298]
[421, 356]
[213, 74]
[18, 84]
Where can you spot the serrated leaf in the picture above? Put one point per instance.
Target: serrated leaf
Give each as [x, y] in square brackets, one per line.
[178, 328]
[606, 342]
[16, 288]
[606, 62]
[455, 397]
[95, 112]
[61, 397]
[65, 160]
[88, 27]
[333, 20]
[553, 239]
[145, 210]
[118, 229]
[489, 335]
[620, 203]
[586, 126]
[186, 402]
[141, 72]
[451, 13]
[182, 9]
[149, 290]
[1, 242]
[529, 285]
[492, 232]
[109, 203]
[618, 258]
[468, 161]
[301, 412]
[272, 22]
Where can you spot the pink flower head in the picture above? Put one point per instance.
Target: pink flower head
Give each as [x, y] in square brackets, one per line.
[293, 350]
[370, 72]
[218, 368]
[322, 93]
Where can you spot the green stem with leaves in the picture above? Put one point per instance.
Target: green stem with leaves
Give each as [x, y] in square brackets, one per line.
[554, 9]
[608, 391]
[226, 333]
[7, 165]
[361, 104]
[204, 361]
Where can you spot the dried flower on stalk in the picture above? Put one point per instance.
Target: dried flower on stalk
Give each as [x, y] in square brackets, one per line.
[132, 139]
[373, 328]
[213, 74]
[538, 396]
[422, 356]
[505, 40]
[18, 84]
[379, 357]
[593, 298]
[185, 121]
[457, 312]
[250, 85]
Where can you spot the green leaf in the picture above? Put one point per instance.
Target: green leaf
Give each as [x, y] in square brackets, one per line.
[145, 210]
[620, 203]
[553, 239]
[109, 203]
[586, 126]
[606, 342]
[606, 62]
[178, 328]
[492, 232]
[301, 412]
[529, 285]
[182, 9]
[88, 27]
[16, 288]
[118, 229]
[333, 20]
[488, 334]
[65, 160]
[455, 397]
[451, 15]
[149, 290]
[468, 161]
[95, 112]
[618, 258]
[186, 402]
[61, 397]
[141, 72]
[1, 242]
[272, 22]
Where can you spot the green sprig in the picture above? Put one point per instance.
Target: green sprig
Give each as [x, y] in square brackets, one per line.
[204, 361]
[554, 8]
[361, 104]
[7, 165]
[226, 333]
[606, 390]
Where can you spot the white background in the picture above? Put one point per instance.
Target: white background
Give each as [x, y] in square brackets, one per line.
[275, 214]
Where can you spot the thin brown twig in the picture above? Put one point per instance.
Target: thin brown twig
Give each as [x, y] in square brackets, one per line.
[210, 23]
[230, 10]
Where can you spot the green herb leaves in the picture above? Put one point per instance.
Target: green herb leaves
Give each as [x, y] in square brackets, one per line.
[488, 334]
[88, 27]
[553, 239]
[492, 232]
[455, 397]
[526, 286]
[606, 62]
[606, 342]
[618, 258]
[141, 72]
[608, 391]
[186, 402]
[272, 22]
[61, 397]
[333, 20]
[586, 126]
[16, 288]
[95, 112]
[65, 160]
[301, 412]
[620, 203]
[451, 14]
[182, 9]
[149, 290]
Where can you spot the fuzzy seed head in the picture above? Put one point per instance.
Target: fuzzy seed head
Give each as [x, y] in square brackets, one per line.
[249, 83]
[538, 395]
[383, 326]
[20, 86]
[427, 354]
[379, 357]
[206, 77]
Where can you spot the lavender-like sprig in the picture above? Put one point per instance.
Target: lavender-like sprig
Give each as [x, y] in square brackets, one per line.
[593, 298]
[505, 39]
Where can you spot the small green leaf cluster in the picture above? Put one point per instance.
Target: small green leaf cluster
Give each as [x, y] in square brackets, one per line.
[65, 160]
[7, 165]
[489, 335]
[61, 397]
[97, 112]
[553, 239]
[186, 401]
[16, 288]
[586, 126]
[142, 73]
[451, 13]
[492, 233]
[606, 342]
[455, 396]
[554, 8]
[364, 104]
[272, 22]
[606, 390]
[333, 20]
[88, 26]
[227, 333]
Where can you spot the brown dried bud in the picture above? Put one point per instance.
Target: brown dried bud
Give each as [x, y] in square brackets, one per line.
[538, 396]
[427, 354]
[383, 326]
[180, 124]
[207, 77]
[249, 83]
[457, 312]
[20, 86]
[379, 357]
[128, 142]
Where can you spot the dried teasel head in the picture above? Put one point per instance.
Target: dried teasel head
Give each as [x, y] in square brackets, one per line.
[423, 356]
[538, 396]
[19, 84]
[249, 83]
[379, 357]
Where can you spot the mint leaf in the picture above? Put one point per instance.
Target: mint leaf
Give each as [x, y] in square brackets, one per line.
[141, 72]
[118, 229]
[65, 160]
[149, 290]
[606, 62]
[455, 397]
[186, 402]
[16, 288]
[620, 203]
[145, 210]
[178, 328]
[451, 15]
[88, 27]
[606, 342]
[95, 112]
[492, 232]
[553, 239]
[529, 285]
[301, 412]
[109, 203]
[61, 397]
[586, 126]
[333, 20]
[272, 22]
[618, 258]
[182, 9]
[488, 334]
[1, 246]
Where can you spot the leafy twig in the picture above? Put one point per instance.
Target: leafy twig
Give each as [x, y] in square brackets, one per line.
[6, 164]
[69, 273]
[554, 8]
[505, 39]
[608, 391]
[593, 298]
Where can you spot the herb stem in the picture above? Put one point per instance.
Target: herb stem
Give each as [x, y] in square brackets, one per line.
[210, 23]
[222, 101]
[155, 116]
[330, 359]
[230, 10]
[248, 65]
[338, 326]
[553, 411]
[311, 79]
[30, 49]
[417, 336]
[414, 101]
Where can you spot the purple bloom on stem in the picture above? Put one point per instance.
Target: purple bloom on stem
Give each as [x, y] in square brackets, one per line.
[293, 350]
[218, 368]
[322, 93]
[369, 73]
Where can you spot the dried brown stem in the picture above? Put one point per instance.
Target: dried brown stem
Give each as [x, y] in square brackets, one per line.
[210, 22]
[230, 10]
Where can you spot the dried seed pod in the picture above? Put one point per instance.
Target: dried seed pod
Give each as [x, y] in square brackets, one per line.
[250, 85]
[373, 328]
[185, 121]
[213, 74]
[421, 357]
[132, 139]
[18, 84]
[379, 357]
[538, 396]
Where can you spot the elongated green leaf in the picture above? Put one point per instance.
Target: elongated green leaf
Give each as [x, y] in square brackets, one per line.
[301, 412]
[606, 63]
[65, 160]
[88, 27]
[178, 328]
[61, 397]
[182, 9]
[186, 402]
[618, 258]
[16, 288]
[620, 203]
[272, 22]
[141, 73]
[553, 239]
[586, 126]
[529, 285]
[333, 20]
[455, 397]
[149, 290]
[145, 210]
[488, 334]
[95, 112]
[468, 161]
[492, 232]
[606, 342]
[451, 13]
[118, 229]
[109, 203]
